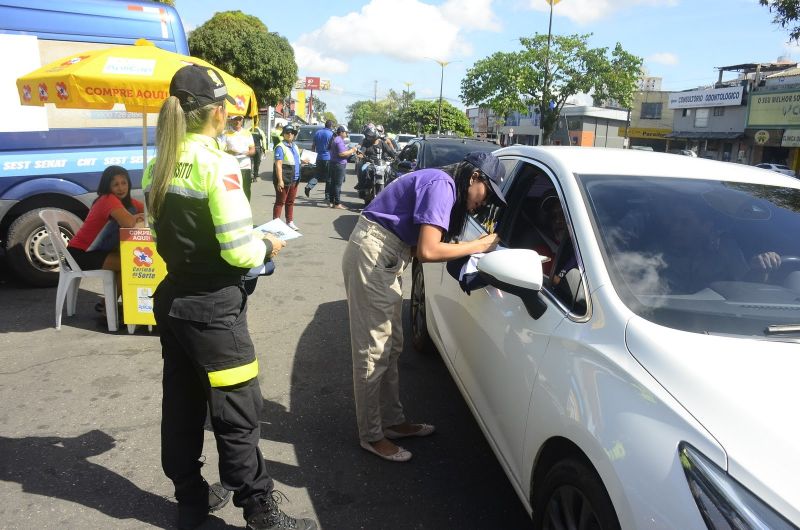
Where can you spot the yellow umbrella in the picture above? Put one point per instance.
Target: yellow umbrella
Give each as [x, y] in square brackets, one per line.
[136, 76]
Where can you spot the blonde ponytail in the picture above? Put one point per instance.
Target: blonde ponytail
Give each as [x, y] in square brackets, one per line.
[171, 130]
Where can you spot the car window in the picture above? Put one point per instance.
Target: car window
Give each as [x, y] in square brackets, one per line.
[405, 137]
[781, 166]
[306, 133]
[444, 153]
[536, 219]
[763, 166]
[700, 255]
[356, 138]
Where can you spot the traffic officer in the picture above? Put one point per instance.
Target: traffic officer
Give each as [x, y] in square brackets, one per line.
[286, 175]
[204, 230]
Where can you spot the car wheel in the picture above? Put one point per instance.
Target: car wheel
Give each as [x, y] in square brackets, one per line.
[573, 497]
[29, 251]
[420, 338]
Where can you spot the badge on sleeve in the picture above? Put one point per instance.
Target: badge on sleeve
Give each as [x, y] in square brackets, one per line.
[231, 182]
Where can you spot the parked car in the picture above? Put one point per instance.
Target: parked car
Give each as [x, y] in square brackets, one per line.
[305, 140]
[646, 376]
[780, 168]
[434, 151]
[403, 139]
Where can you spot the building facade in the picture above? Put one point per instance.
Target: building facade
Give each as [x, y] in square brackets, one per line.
[651, 121]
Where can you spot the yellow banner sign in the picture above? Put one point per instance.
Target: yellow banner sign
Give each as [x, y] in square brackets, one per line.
[644, 132]
[774, 109]
[142, 271]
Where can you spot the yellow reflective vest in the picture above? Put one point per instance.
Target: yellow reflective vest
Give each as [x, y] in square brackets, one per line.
[205, 229]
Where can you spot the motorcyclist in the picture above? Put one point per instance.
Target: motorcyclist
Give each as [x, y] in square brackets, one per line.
[373, 149]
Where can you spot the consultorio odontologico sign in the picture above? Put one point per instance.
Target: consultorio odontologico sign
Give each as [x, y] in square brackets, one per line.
[713, 97]
[778, 109]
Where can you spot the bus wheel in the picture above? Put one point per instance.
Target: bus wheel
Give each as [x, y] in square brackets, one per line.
[29, 251]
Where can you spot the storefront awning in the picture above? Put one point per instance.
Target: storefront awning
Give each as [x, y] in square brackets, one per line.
[702, 135]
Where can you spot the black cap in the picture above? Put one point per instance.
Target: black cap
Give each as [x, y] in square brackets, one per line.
[490, 166]
[197, 86]
[288, 128]
[340, 129]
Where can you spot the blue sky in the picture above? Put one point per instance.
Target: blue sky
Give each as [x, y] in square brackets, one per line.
[356, 43]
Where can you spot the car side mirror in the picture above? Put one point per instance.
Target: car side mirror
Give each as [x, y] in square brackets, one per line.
[517, 271]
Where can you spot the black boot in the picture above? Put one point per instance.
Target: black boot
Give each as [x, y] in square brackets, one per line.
[191, 515]
[272, 518]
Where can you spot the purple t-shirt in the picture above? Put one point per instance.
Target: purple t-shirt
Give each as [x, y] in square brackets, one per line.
[338, 147]
[422, 197]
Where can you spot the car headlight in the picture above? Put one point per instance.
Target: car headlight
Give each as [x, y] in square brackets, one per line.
[723, 502]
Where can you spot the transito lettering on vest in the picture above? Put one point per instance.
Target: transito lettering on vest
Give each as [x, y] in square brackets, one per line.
[183, 170]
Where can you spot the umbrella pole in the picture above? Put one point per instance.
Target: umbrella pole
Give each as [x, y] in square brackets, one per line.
[144, 156]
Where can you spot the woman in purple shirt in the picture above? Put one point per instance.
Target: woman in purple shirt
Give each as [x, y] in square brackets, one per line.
[419, 215]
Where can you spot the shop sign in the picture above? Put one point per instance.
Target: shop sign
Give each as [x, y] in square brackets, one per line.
[761, 137]
[791, 138]
[779, 109]
[715, 97]
[645, 132]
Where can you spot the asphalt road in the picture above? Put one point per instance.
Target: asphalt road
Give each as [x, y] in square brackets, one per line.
[79, 425]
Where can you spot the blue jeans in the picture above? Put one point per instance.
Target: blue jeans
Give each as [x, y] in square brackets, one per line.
[321, 173]
[333, 187]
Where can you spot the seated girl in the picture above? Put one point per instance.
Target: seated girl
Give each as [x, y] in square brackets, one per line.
[96, 245]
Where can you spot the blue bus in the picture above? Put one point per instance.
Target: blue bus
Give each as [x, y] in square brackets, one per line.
[53, 158]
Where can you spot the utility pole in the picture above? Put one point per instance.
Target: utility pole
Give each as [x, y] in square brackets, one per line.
[375, 95]
[408, 92]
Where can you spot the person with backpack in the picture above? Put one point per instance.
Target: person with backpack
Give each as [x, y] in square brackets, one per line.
[322, 140]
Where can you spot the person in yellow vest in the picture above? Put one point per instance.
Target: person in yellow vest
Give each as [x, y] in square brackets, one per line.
[239, 143]
[286, 175]
[204, 231]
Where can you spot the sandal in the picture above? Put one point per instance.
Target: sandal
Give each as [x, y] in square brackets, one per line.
[402, 455]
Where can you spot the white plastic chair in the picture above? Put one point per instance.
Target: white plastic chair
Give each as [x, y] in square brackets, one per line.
[70, 276]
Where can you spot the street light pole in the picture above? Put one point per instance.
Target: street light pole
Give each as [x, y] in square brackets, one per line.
[408, 92]
[441, 84]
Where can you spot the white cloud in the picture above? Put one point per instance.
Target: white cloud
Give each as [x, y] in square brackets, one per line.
[663, 58]
[410, 32]
[585, 11]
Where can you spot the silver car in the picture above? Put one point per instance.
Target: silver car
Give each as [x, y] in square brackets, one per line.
[632, 355]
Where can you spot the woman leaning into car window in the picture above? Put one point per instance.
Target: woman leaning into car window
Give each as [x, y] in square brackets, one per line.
[419, 214]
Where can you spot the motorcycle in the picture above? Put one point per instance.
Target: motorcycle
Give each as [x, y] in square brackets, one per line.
[374, 174]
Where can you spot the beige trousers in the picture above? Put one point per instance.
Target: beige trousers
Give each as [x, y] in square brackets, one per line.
[372, 266]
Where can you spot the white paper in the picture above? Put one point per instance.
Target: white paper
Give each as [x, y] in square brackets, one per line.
[308, 157]
[279, 229]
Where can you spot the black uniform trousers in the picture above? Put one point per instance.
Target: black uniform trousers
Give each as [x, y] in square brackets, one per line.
[205, 331]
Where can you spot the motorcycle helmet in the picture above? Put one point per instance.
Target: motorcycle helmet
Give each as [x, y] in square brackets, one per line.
[379, 128]
[370, 132]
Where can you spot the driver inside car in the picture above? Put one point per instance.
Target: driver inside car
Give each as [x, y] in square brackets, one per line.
[689, 251]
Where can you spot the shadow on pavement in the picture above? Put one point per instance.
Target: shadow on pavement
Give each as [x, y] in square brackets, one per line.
[453, 481]
[59, 468]
[344, 225]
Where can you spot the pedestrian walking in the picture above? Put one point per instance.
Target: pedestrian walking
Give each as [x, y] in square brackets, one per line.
[425, 210]
[286, 175]
[204, 230]
[322, 140]
[260, 142]
[338, 167]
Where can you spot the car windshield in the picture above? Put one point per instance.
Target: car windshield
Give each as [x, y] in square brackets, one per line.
[306, 133]
[405, 137]
[701, 255]
[357, 138]
[442, 154]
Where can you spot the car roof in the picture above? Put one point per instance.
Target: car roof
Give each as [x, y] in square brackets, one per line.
[631, 162]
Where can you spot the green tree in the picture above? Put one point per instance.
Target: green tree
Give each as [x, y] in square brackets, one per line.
[421, 117]
[168, 2]
[363, 112]
[318, 105]
[787, 13]
[328, 115]
[241, 45]
[545, 79]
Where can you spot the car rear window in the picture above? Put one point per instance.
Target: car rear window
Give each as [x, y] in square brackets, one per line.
[442, 154]
[306, 133]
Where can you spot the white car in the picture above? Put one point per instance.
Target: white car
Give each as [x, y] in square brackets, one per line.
[648, 379]
[780, 168]
[403, 139]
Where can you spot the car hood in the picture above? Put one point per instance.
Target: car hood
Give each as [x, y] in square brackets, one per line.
[745, 392]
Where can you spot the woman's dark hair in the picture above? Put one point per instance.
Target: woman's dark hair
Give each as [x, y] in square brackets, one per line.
[460, 173]
[104, 188]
